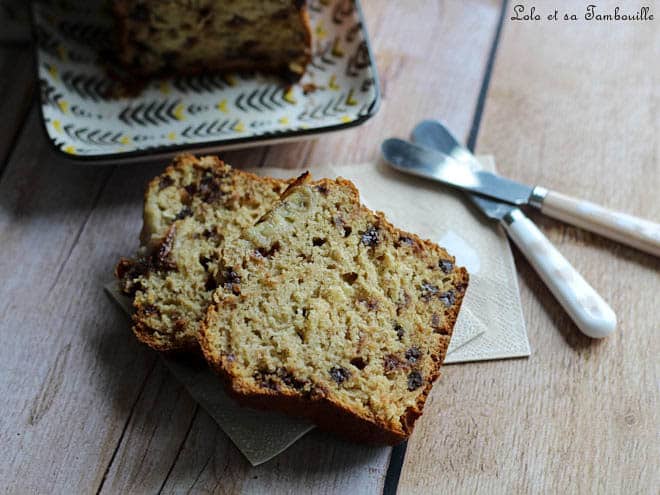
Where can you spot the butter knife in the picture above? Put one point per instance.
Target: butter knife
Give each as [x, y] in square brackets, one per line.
[590, 313]
[448, 159]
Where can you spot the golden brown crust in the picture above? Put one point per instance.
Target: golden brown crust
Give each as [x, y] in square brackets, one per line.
[326, 414]
[304, 178]
[315, 405]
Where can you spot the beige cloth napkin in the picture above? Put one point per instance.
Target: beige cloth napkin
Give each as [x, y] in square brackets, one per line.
[490, 324]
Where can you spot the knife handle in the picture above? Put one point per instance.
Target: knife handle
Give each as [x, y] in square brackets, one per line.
[587, 309]
[626, 229]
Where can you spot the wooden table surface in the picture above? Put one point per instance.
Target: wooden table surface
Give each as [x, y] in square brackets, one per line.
[573, 105]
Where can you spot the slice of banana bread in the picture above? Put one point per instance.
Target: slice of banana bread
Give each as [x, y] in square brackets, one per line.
[184, 36]
[190, 211]
[325, 310]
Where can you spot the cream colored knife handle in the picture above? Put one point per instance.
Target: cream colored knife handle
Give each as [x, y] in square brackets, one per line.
[626, 229]
[587, 309]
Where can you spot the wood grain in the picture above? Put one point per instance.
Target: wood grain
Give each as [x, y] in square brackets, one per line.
[89, 409]
[318, 463]
[71, 372]
[431, 59]
[574, 107]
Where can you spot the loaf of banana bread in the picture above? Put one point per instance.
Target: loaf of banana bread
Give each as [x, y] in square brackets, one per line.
[191, 36]
[325, 310]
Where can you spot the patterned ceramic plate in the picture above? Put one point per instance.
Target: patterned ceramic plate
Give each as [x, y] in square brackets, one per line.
[202, 112]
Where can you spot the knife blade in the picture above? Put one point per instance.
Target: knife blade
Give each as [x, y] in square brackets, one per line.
[443, 167]
[591, 314]
[635, 232]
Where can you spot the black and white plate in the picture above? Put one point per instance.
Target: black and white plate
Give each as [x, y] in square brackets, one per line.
[206, 112]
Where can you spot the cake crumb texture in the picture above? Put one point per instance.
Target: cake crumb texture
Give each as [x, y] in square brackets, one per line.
[190, 211]
[164, 37]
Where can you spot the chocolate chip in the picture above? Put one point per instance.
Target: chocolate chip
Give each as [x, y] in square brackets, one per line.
[209, 189]
[318, 241]
[127, 271]
[204, 261]
[370, 237]
[270, 252]
[358, 362]
[399, 330]
[185, 212]
[448, 298]
[161, 256]
[191, 189]
[338, 220]
[339, 374]
[414, 381]
[289, 379]
[210, 234]
[446, 266]
[230, 280]
[391, 363]
[231, 277]
[413, 354]
[165, 181]
[265, 379]
[322, 188]
[211, 283]
[150, 310]
[428, 291]
[350, 278]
